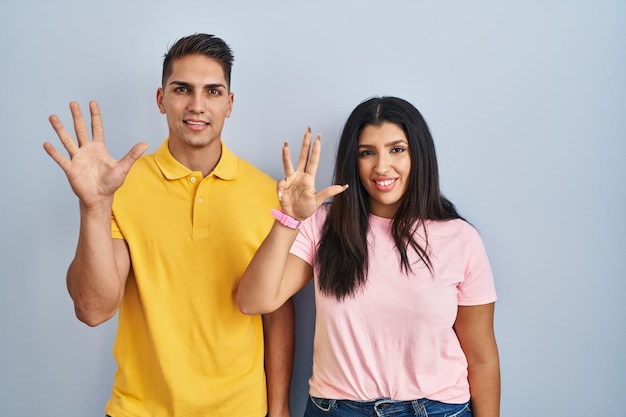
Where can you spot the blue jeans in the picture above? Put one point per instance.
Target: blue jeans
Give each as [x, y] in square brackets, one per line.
[384, 407]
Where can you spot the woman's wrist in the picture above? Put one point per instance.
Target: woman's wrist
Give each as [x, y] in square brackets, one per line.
[285, 219]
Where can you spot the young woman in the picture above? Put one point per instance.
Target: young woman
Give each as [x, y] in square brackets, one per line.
[404, 293]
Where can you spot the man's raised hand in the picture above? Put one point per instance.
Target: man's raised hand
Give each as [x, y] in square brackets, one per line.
[93, 174]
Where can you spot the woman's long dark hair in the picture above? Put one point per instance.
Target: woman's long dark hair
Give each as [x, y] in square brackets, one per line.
[343, 253]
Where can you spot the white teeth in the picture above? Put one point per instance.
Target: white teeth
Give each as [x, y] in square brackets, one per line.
[384, 183]
[194, 123]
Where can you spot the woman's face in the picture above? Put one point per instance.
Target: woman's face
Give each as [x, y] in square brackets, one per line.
[384, 164]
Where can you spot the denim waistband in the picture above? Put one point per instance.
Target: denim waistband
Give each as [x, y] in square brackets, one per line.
[388, 407]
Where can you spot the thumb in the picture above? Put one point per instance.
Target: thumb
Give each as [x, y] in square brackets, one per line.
[329, 192]
[135, 152]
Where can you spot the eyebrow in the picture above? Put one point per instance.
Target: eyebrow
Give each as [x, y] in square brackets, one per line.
[393, 143]
[206, 86]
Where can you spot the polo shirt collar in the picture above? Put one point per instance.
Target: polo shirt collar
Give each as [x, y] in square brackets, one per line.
[225, 169]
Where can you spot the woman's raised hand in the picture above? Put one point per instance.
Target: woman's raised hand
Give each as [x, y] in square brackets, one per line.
[297, 191]
[93, 174]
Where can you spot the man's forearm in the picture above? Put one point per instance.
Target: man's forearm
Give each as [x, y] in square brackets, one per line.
[279, 334]
[93, 278]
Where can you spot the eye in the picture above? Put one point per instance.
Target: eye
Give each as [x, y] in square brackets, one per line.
[366, 152]
[214, 90]
[181, 89]
[397, 149]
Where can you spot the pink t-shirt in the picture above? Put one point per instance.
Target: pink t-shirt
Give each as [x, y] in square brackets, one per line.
[394, 337]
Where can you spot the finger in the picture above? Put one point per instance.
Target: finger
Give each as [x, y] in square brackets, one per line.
[79, 124]
[314, 159]
[304, 151]
[280, 188]
[58, 157]
[63, 134]
[329, 192]
[135, 152]
[97, 129]
[287, 166]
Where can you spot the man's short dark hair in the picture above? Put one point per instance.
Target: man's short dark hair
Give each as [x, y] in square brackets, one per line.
[199, 44]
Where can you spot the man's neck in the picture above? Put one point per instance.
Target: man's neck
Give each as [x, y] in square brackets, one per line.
[203, 159]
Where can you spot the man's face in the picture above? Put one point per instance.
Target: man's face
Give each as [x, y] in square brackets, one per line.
[195, 99]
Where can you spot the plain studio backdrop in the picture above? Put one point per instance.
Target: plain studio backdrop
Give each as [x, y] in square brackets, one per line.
[525, 100]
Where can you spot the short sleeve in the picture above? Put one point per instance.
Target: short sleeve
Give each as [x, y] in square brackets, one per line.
[116, 233]
[478, 285]
[305, 245]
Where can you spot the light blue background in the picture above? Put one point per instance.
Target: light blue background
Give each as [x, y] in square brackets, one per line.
[526, 101]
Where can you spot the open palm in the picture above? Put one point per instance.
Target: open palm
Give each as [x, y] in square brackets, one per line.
[93, 174]
[296, 192]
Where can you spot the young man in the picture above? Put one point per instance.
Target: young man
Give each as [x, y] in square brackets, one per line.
[164, 239]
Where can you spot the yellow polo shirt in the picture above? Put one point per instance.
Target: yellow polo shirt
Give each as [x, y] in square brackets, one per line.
[183, 348]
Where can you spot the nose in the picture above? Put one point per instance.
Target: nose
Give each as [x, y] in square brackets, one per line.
[196, 102]
[382, 163]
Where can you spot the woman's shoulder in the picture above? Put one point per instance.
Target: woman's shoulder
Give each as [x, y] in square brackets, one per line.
[457, 228]
[321, 213]
[313, 224]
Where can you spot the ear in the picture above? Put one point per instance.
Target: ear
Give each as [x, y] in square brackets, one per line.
[159, 100]
[231, 101]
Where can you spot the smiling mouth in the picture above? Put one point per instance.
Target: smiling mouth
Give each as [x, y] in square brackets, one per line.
[195, 123]
[384, 183]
